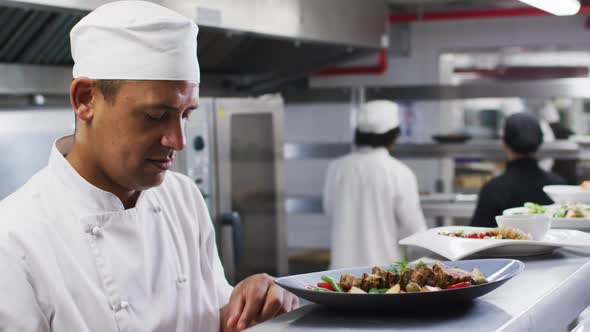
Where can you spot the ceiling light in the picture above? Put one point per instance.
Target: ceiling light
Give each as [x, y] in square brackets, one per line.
[556, 7]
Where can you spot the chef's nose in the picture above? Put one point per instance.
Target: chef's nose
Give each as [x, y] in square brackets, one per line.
[174, 136]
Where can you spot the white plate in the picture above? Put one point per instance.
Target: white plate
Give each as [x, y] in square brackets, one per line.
[580, 139]
[581, 224]
[497, 272]
[455, 248]
[564, 194]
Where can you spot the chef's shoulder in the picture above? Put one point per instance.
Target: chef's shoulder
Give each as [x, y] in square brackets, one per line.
[400, 169]
[22, 206]
[344, 162]
[21, 216]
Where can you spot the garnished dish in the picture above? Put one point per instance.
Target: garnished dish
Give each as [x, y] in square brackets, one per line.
[402, 278]
[567, 210]
[403, 286]
[534, 208]
[572, 210]
[500, 233]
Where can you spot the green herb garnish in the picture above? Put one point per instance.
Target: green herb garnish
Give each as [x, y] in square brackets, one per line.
[421, 264]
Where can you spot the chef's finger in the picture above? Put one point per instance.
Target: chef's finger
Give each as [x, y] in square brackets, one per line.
[295, 303]
[273, 302]
[254, 302]
[235, 307]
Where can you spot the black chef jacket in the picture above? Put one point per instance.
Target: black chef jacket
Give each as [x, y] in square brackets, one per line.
[522, 182]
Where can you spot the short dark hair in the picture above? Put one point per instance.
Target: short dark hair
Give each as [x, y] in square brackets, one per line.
[376, 140]
[109, 89]
[522, 133]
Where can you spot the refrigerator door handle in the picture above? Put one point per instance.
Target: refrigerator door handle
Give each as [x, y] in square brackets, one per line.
[231, 225]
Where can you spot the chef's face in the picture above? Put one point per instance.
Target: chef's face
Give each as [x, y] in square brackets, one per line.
[135, 135]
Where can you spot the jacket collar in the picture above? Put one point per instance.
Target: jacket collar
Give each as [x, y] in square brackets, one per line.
[83, 192]
[368, 149]
[523, 163]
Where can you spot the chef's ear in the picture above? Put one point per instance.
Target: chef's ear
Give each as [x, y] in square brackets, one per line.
[82, 94]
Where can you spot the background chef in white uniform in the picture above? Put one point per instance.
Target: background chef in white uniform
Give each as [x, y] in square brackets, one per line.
[371, 197]
[104, 238]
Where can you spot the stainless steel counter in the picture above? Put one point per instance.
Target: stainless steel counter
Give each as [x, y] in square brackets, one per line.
[549, 294]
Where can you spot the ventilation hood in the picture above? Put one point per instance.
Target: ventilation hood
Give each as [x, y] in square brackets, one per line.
[249, 46]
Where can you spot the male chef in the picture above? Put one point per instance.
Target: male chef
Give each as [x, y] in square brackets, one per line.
[105, 238]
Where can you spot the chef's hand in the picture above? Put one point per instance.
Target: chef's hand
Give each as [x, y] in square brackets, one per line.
[254, 300]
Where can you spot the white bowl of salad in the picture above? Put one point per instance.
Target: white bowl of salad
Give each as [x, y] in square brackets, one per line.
[529, 208]
[536, 225]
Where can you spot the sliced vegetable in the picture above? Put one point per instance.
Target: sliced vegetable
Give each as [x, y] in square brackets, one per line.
[326, 285]
[427, 288]
[412, 287]
[394, 290]
[535, 208]
[315, 288]
[332, 282]
[478, 276]
[378, 290]
[460, 285]
[356, 290]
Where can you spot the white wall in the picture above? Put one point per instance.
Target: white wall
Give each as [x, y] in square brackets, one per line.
[312, 123]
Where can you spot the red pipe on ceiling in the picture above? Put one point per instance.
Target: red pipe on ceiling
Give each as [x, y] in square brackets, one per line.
[381, 66]
[473, 14]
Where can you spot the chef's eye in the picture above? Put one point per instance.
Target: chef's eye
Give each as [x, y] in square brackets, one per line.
[154, 116]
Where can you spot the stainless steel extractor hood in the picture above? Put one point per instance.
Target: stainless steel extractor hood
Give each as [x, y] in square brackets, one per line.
[248, 46]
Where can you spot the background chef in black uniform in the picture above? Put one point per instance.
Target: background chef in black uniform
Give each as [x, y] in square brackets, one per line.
[523, 179]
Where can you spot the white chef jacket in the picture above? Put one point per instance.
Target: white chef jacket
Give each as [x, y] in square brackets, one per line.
[72, 258]
[373, 201]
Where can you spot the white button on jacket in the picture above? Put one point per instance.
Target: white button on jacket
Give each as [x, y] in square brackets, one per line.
[73, 259]
[372, 199]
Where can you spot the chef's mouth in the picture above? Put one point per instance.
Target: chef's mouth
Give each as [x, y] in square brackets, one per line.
[162, 164]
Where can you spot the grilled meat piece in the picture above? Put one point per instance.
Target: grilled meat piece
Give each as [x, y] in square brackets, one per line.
[378, 271]
[347, 281]
[406, 277]
[428, 274]
[371, 281]
[418, 277]
[447, 276]
[390, 278]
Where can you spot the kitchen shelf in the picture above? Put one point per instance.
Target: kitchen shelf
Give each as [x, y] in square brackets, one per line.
[484, 149]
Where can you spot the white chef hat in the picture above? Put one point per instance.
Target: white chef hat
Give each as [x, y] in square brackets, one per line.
[378, 117]
[135, 40]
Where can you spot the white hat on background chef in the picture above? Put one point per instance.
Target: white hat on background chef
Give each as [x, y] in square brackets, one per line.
[154, 43]
[378, 117]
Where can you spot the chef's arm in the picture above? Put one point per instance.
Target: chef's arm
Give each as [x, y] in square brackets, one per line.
[19, 309]
[407, 208]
